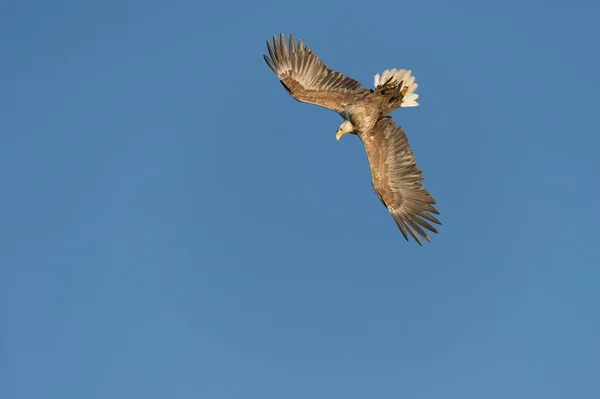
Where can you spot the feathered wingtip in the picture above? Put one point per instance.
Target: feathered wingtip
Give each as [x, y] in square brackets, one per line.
[280, 54]
[401, 77]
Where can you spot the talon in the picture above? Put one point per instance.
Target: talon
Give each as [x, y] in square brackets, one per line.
[391, 86]
[404, 91]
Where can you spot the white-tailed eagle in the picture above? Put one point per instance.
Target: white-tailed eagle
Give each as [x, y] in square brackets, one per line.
[395, 177]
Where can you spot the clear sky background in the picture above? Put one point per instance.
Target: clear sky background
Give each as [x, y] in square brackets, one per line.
[174, 225]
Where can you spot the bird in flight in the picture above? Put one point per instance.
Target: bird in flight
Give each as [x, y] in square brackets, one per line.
[394, 175]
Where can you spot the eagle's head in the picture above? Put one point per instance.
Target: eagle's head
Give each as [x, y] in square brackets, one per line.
[344, 128]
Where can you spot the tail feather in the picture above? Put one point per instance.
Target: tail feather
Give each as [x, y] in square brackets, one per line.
[402, 78]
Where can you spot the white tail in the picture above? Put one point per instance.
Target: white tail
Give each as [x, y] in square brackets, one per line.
[397, 77]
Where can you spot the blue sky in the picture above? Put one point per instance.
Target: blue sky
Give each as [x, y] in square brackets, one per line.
[174, 225]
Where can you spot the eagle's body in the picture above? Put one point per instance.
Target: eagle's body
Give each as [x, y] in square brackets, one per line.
[394, 175]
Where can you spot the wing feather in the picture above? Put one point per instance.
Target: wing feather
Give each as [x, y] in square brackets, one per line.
[307, 78]
[397, 181]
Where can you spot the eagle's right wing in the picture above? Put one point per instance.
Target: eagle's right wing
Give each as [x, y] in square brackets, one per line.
[307, 78]
[397, 180]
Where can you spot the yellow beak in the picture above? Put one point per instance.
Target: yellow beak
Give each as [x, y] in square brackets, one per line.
[339, 135]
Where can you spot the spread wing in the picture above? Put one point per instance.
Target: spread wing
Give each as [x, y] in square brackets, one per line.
[397, 180]
[307, 79]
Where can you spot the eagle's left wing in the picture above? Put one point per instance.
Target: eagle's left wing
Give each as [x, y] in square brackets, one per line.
[397, 180]
[307, 78]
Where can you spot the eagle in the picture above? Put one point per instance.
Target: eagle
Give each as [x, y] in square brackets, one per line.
[394, 175]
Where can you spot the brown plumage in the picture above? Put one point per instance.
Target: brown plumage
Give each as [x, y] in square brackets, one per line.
[394, 175]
